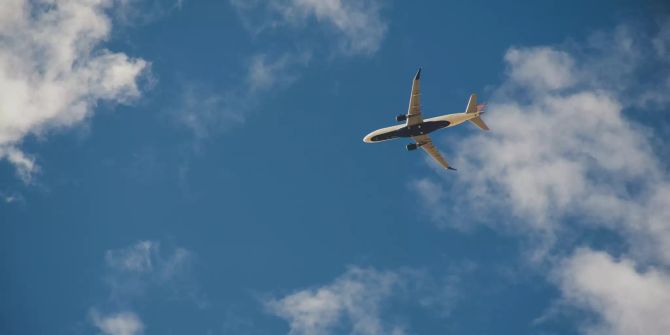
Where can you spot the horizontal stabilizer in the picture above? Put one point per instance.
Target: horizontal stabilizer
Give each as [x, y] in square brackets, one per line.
[480, 123]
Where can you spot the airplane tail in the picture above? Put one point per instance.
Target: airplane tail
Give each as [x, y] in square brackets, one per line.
[472, 108]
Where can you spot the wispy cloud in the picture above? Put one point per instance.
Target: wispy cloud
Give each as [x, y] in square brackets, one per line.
[432, 196]
[131, 273]
[138, 12]
[138, 258]
[53, 71]
[355, 298]
[11, 198]
[359, 301]
[267, 73]
[25, 164]
[205, 112]
[349, 28]
[133, 269]
[357, 26]
[565, 156]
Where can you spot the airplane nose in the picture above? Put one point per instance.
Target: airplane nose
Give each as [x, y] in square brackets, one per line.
[368, 138]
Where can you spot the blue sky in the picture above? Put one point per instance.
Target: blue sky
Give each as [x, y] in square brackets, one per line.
[197, 167]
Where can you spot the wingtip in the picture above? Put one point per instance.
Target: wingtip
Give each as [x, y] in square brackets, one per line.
[418, 75]
[451, 168]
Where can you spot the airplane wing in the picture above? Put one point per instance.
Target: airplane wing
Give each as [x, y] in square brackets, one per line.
[414, 110]
[428, 146]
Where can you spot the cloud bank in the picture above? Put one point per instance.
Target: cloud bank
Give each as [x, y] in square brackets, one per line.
[53, 71]
[566, 155]
[629, 300]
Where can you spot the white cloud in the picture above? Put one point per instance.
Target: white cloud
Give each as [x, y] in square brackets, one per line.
[354, 299]
[567, 150]
[364, 301]
[53, 72]
[630, 301]
[540, 68]
[358, 25]
[25, 164]
[558, 155]
[124, 323]
[564, 155]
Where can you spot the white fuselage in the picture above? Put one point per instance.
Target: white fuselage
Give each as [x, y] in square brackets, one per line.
[423, 128]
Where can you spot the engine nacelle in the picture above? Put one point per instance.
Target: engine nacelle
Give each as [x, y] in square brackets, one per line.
[412, 146]
[401, 118]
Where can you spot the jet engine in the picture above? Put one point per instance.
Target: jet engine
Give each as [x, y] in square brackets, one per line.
[412, 146]
[401, 118]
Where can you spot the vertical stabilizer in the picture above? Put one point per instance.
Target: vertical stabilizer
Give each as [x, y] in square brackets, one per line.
[472, 104]
[474, 108]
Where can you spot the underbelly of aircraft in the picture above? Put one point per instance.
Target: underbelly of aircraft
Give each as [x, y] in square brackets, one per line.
[414, 130]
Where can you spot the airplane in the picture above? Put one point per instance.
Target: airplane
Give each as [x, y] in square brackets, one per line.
[418, 129]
